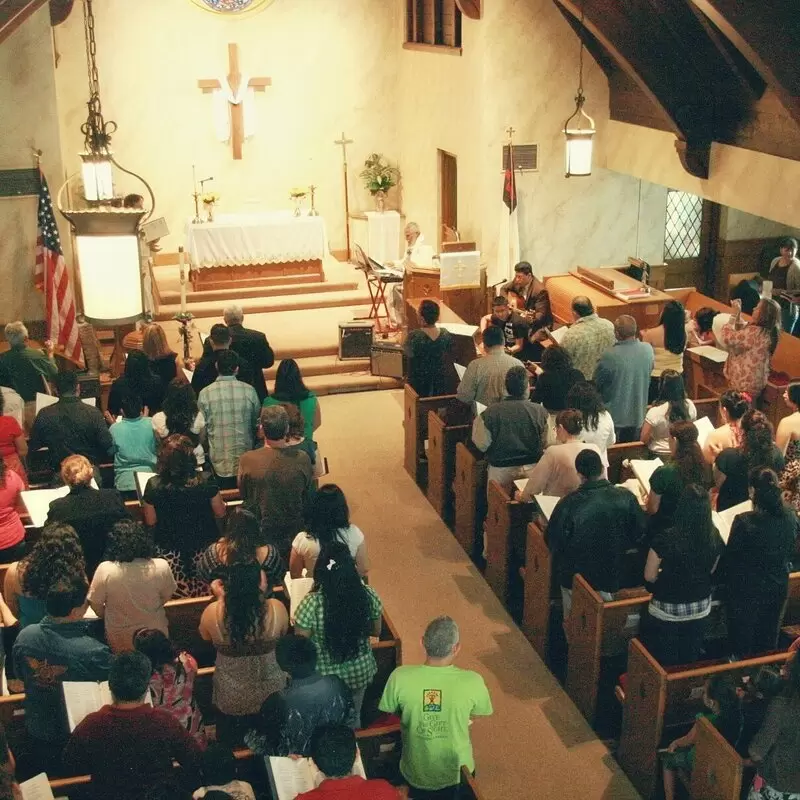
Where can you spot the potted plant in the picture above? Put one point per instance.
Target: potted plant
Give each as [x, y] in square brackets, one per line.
[379, 176]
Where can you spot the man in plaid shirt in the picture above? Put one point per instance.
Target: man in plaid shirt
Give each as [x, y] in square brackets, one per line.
[231, 410]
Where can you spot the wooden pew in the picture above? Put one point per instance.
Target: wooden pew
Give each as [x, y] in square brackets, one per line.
[506, 528]
[618, 453]
[790, 627]
[718, 768]
[469, 488]
[415, 431]
[442, 441]
[597, 630]
[539, 591]
[468, 788]
[658, 698]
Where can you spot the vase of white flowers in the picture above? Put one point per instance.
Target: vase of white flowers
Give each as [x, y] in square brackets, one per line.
[210, 199]
[379, 176]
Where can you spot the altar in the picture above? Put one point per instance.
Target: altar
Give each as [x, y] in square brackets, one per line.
[238, 250]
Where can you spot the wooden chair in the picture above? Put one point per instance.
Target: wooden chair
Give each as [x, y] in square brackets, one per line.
[415, 431]
[442, 441]
[506, 528]
[597, 631]
[656, 698]
[469, 489]
[538, 590]
[718, 768]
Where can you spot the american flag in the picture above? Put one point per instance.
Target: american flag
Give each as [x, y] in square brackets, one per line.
[50, 276]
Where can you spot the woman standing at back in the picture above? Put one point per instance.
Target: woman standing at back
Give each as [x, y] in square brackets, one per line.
[180, 415]
[339, 616]
[328, 522]
[598, 425]
[755, 565]
[289, 388]
[668, 340]
[429, 351]
[163, 362]
[750, 347]
[670, 406]
[244, 626]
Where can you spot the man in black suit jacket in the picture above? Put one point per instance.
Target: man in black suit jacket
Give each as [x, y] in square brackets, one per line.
[205, 373]
[90, 511]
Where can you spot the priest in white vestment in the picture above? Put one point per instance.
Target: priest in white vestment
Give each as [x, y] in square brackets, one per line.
[414, 253]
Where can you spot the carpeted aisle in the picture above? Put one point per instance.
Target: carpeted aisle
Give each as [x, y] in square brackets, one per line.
[536, 745]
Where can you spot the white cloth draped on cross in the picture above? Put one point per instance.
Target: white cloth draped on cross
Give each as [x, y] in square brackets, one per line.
[225, 98]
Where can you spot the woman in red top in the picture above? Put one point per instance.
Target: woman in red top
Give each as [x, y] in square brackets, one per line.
[12, 533]
[13, 444]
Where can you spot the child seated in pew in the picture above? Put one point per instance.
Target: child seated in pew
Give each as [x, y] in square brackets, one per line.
[725, 712]
[172, 680]
[219, 774]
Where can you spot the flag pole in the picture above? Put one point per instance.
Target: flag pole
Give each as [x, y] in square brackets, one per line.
[37, 161]
[515, 200]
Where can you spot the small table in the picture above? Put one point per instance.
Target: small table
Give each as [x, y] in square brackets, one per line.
[237, 250]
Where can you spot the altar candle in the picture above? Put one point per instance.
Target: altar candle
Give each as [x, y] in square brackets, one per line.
[183, 280]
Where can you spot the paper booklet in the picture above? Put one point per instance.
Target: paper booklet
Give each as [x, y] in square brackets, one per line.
[85, 697]
[479, 408]
[37, 502]
[546, 504]
[558, 334]
[44, 400]
[460, 370]
[289, 777]
[711, 352]
[724, 519]
[189, 374]
[296, 590]
[704, 428]
[458, 328]
[521, 483]
[37, 788]
[142, 479]
[643, 470]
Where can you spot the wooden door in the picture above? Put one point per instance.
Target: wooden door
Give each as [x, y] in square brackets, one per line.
[448, 193]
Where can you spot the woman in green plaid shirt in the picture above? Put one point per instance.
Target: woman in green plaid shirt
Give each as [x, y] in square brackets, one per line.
[339, 616]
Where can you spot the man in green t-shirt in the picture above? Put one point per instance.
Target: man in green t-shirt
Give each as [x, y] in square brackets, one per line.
[436, 701]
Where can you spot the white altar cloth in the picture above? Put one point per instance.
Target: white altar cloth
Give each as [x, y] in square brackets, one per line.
[379, 234]
[272, 237]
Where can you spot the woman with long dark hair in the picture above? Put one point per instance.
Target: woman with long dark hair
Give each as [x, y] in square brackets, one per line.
[668, 340]
[164, 362]
[598, 425]
[172, 681]
[733, 465]
[774, 748]
[290, 388]
[733, 406]
[130, 587]
[183, 506]
[671, 405]
[668, 482]
[755, 566]
[751, 347]
[328, 522]
[787, 438]
[339, 616]
[180, 415]
[56, 555]
[139, 380]
[241, 544]
[679, 566]
[244, 626]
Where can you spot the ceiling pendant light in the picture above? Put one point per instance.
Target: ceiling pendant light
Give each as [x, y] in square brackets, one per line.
[579, 129]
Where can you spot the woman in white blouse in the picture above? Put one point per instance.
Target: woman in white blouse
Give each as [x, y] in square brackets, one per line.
[670, 406]
[328, 522]
[598, 426]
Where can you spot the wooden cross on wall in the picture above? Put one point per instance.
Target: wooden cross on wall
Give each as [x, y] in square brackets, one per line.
[237, 113]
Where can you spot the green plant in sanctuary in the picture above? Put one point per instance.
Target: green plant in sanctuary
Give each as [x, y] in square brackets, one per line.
[378, 174]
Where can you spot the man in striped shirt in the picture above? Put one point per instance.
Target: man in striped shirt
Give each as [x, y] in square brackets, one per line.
[231, 410]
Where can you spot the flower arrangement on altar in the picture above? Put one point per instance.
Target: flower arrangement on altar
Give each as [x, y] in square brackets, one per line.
[378, 174]
[297, 195]
[210, 199]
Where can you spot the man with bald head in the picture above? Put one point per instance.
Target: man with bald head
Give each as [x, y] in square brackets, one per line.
[588, 337]
[413, 253]
[623, 379]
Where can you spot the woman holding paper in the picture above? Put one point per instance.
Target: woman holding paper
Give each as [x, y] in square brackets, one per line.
[760, 548]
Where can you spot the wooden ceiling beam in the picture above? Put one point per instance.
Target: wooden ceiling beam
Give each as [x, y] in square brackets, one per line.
[766, 33]
[14, 12]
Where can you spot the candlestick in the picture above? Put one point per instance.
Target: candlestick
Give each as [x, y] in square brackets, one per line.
[313, 212]
[196, 196]
[181, 265]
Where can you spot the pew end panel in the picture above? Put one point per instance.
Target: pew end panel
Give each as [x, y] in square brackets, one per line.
[468, 788]
[538, 589]
[469, 485]
[183, 618]
[718, 768]
[642, 718]
[415, 430]
[381, 748]
[442, 441]
[506, 522]
[597, 631]
[617, 453]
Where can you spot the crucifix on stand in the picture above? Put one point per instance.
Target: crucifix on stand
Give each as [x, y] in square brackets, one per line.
[344, 141]
[236, 96]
